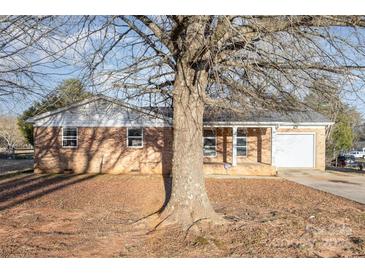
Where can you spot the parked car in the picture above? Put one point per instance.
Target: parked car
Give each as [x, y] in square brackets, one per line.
[356, 154]
[344, 161]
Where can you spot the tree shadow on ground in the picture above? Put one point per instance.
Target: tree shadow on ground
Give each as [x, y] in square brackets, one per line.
[8, 178]
[23, 182]
[344, 182]
[20, 190]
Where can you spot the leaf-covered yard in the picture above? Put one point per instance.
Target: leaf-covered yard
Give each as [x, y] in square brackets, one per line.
[93, 216]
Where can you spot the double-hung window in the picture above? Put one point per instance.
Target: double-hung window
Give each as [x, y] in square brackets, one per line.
[209, 143]
[135, 137]
[241, 145]
[69, 137]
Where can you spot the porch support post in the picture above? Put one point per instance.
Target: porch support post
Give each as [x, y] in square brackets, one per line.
[273, 146]
[234, 146]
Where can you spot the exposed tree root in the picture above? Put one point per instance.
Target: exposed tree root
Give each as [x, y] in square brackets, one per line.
[178, 218]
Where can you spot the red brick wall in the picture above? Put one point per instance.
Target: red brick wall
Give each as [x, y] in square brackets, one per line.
[258, 146]
[103, 150]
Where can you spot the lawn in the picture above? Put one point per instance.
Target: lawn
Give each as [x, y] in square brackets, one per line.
[93, 216]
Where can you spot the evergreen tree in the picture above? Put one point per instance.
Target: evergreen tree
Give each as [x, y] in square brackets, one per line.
[67, 93]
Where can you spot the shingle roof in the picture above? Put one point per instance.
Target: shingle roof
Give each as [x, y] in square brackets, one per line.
[305, 116]
[219, 115]
[212, 115]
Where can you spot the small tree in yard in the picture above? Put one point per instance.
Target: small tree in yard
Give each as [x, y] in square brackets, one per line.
[68, 92]
[243, 63]
[342, 134]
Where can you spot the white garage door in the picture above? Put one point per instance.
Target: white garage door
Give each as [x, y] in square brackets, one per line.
[294, 150]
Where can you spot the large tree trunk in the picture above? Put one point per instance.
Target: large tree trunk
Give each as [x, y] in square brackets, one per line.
[189, 201]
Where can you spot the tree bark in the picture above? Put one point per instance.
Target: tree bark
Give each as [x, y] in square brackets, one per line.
[189, 202]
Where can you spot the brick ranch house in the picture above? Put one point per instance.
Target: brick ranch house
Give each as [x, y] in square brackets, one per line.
[105, 135]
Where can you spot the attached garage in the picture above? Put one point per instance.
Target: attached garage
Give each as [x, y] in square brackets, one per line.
[295, 150]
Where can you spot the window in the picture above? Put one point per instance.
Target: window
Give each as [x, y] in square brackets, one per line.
[209, 143]
[135, 137]
[69, 137]
[241, 144]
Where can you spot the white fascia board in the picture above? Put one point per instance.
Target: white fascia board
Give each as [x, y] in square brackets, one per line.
[105, 126]
[111, 123]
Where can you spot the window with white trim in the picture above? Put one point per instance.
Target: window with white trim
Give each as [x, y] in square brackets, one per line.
[135, 137]
[209, 143]
[69, 137]
[241, 142]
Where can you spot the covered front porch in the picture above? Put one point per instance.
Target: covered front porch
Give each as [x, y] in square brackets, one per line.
[238, 150]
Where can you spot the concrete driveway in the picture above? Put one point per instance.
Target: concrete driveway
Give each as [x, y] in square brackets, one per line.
[347, 185]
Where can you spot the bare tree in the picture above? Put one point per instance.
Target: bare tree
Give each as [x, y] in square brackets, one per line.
[32, 56]
[10, 136]
[239, 63]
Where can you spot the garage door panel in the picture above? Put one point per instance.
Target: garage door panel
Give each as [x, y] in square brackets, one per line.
[295, 150]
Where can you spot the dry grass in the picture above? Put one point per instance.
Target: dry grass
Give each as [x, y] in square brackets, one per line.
[92, 216]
